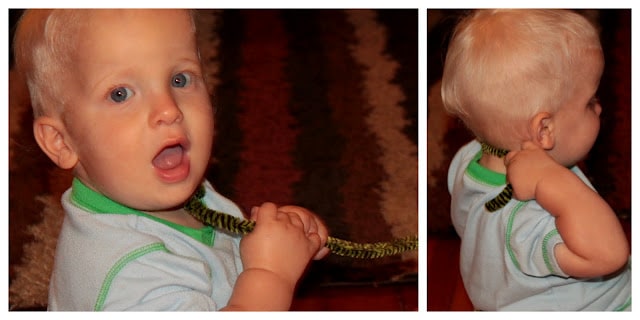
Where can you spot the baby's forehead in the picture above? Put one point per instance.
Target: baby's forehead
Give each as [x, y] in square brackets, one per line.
[87, 27]
[85, 20]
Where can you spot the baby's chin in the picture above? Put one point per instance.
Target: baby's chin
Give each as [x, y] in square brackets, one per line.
[571, 163]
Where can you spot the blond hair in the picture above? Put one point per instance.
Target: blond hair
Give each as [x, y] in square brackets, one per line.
[44, 47]
[504, 66]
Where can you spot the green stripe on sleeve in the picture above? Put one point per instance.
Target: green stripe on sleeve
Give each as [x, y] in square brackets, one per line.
[546, 251]
[119, 265]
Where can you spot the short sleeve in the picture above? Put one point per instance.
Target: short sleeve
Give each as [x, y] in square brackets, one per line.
[160, 281]
[531, 238]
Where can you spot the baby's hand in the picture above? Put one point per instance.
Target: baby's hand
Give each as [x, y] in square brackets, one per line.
[283, 241]
[312, 224]
[527, 167]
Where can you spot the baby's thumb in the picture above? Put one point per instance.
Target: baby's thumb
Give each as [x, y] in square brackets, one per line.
[315, 242]
[254, 213]
[508, 157]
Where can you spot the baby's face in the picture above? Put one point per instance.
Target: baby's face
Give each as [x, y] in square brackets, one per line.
[578, 122]
[140, 119]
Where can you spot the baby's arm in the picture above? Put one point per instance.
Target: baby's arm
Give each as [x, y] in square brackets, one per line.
[275, 255]
[594, 242]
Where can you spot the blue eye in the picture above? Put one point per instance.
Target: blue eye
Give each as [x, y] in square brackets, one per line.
[180, 80]
[120, 94]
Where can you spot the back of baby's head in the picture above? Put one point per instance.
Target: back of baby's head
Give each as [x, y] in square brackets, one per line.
[44, 44]
[503, 66]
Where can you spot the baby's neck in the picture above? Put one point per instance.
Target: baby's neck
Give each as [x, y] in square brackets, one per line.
[493, 163]
[493, 158]
[179, 216]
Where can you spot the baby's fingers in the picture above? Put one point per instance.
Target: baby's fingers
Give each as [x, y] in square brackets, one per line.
[310, 225]
[529, 145]
[315, 244]
[509, 157]
[293, 218]
[323, 252]
[266, 211]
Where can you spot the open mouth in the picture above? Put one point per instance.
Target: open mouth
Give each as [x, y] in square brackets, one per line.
[169, 158]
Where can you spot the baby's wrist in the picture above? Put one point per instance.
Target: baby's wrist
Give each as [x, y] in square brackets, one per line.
[259, 289]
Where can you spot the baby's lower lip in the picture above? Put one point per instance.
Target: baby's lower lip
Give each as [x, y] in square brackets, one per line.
[172, 166]
[176, 174]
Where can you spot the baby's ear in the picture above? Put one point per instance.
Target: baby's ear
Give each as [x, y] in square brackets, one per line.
[542, 130]
[51, 136]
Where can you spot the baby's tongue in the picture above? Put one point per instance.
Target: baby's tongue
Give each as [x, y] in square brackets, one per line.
[168, 158]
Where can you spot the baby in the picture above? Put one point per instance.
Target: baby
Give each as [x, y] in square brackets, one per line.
[526, 81]
[119, 98]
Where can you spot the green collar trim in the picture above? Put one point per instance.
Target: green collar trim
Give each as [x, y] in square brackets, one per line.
[94, 202]
[482, 174]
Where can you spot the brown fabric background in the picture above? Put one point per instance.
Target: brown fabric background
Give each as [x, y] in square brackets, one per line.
[608, 165]
[313, 107]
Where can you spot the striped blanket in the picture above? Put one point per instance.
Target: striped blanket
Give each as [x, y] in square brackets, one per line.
[316, 108]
